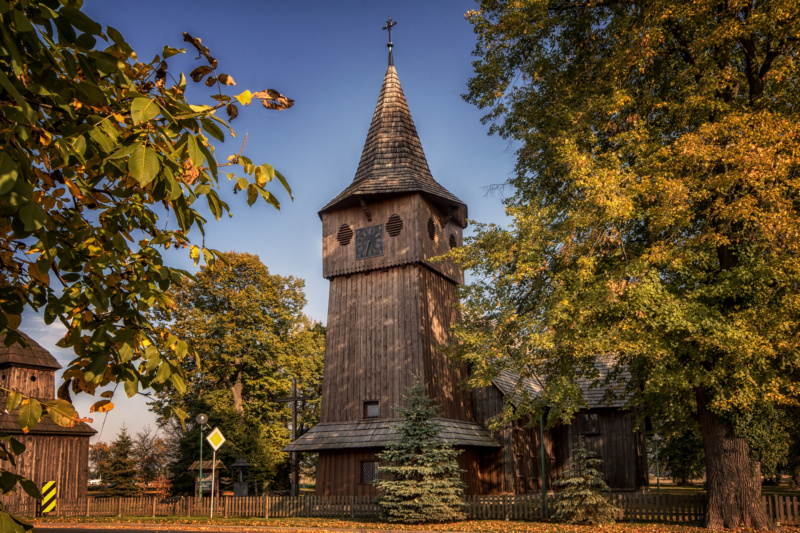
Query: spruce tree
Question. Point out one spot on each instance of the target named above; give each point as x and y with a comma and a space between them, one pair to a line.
422, 480
581, 500
122, 472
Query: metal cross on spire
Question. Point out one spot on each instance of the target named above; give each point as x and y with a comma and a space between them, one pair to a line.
389, 24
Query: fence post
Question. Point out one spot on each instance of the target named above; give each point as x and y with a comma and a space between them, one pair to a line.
88, 499
266, 505
154, 506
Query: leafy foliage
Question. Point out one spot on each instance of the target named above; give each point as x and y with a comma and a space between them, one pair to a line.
95, 146
681, 455
250, 327
581, 499
122, 471
653, 211
99, 460
424, 479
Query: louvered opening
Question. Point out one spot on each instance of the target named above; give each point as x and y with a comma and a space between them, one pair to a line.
453, 241
394, 226
345, 235
431, 228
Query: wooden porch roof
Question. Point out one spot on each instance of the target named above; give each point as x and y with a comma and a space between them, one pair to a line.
381, 433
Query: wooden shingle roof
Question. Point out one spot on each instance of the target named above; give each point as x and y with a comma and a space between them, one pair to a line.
393, 161
514, 387
9, 423
31, 356
381, 433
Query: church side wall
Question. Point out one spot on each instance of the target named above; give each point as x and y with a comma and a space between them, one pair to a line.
60, 458
339, 472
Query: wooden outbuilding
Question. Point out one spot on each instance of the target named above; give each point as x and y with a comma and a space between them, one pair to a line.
52, 452
390, 308
208, 472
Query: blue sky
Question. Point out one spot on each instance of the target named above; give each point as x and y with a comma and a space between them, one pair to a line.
330, 57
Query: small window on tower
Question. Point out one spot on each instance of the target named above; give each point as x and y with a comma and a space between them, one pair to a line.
371, 410
590, 425
369, 472
431, 229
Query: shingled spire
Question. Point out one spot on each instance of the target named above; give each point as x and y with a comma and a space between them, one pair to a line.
393, 160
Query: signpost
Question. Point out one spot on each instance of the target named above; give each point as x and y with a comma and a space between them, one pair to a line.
49, 497
215, 439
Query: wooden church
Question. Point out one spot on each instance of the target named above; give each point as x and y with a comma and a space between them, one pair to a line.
52, 452
389, 309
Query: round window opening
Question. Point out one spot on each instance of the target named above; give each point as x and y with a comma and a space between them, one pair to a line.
33, 378
344, 235
394, 225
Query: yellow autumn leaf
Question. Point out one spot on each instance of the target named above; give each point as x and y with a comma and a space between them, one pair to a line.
102, 406
194, 253
244, 98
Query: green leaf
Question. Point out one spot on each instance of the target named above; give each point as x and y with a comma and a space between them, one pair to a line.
31, 488
123, 151
285, 184
30, 412
178, 383
13, 400
131, 387
194, 151
143, 109
8, 524
143, 164
162, 373
62, 412
169, 51
9, 171
252, 194
125, 353
181, 349
212, 129
32, 215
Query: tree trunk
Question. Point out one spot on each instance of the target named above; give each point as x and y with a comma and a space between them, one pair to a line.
733, 481
236, 391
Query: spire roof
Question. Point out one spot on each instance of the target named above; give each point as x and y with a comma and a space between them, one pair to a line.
393, 160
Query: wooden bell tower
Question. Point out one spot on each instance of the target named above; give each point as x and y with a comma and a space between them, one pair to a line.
390, 307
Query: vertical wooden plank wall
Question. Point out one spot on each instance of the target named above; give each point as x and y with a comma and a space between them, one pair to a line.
60, 458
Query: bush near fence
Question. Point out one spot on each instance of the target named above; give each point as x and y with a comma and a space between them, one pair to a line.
783, 510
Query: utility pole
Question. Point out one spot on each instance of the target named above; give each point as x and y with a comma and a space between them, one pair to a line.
293, 399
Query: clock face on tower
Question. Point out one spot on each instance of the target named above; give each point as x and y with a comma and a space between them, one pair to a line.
369, 241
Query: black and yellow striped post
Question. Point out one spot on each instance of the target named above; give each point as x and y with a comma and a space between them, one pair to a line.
49, 497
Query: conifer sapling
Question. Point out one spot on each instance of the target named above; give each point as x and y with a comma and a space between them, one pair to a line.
421, 479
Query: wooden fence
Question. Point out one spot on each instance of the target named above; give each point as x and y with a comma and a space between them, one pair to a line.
783, 510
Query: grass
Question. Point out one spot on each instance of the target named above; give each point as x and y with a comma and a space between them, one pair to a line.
317, 524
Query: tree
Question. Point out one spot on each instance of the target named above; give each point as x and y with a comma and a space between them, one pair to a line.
581, 499
421, 477
99, 460
96, 144
250, 328
682, 457
122, 472
653, 210
150, 454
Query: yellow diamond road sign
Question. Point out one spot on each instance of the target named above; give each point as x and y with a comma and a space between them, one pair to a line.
216, 439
